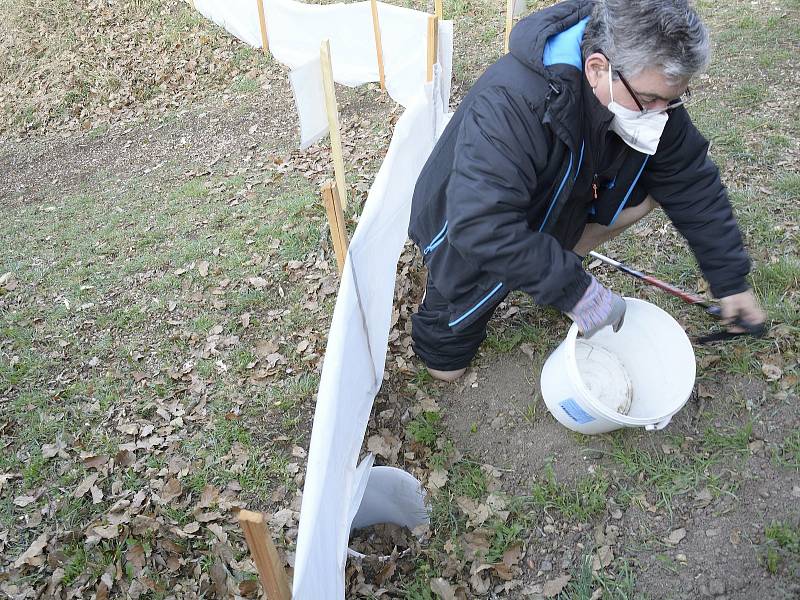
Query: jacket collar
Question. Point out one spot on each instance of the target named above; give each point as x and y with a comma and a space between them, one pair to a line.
549, 43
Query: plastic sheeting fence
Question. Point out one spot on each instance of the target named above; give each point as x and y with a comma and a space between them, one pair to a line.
296, 30
357, 342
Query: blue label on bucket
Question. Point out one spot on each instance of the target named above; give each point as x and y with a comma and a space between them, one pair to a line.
574, 410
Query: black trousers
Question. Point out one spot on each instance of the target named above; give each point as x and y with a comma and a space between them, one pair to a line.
435, 342
442, 349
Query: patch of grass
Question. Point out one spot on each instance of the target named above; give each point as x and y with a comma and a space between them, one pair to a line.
581, 501
244, 85
420, 588
619, 585
748, 95
194, 188
76, 563
468, 479
456, 8
789, 183
776, 281
788, 454
738, 441
504, 536
663, 475
425, 428
782, 545
35, 471
786, 536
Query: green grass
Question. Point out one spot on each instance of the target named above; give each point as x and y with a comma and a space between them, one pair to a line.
666, 476
504, 536
788, 454
425, 428
468, 479
245, 85
419, 587
737, 441
581, 501
619, 585
782, 545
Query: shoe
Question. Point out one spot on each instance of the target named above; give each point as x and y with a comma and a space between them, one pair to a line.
446, 376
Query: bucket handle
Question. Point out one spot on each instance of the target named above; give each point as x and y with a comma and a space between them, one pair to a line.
658, 426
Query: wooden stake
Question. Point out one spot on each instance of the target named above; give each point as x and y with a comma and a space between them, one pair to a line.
437, 8
509, 21
270, 567
433, 34
378, 44
333, 119
333, 208
262, 21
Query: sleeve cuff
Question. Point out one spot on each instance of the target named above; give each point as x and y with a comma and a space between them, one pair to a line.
574, 291
730, 288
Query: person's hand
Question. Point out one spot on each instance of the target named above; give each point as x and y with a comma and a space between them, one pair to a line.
745, 308
597, 308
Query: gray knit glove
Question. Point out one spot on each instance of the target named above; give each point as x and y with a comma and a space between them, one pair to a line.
597, 308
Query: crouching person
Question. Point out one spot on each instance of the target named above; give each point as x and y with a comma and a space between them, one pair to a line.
577, 133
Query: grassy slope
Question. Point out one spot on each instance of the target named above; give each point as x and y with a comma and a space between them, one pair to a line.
90, 340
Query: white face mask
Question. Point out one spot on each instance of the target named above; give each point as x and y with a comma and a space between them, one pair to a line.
641, 131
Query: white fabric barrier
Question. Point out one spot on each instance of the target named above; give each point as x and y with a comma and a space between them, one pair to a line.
357, 341
309, 95
309, 98
239, 17
296, 30
355, 356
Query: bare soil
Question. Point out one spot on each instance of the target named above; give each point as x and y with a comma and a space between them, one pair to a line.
489, 418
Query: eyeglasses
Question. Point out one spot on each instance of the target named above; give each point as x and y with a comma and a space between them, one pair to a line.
685, 97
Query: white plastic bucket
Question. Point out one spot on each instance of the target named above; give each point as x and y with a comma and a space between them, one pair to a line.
638, 377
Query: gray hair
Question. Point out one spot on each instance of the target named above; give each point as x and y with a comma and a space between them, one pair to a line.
640, 34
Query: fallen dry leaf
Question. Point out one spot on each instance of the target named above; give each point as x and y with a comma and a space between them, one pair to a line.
33, 551
258, 282
85, 485
437, 479
171, 490
553, 587
108, 532
442, 588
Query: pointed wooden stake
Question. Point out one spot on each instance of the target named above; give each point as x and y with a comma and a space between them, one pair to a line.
509, 22
333, 208
333, 119
433, 41
437, 8
270, 567
262, 22
378, 44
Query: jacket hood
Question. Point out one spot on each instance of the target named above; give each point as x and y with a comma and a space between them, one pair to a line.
551, 36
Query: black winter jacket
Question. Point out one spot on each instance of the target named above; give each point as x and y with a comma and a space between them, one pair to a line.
495, 206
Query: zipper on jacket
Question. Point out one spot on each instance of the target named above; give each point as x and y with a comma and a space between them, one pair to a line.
580, 162
437, 239
630, 189
558, 191
480, 303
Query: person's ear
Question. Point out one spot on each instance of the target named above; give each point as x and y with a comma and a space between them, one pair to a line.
596, 67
